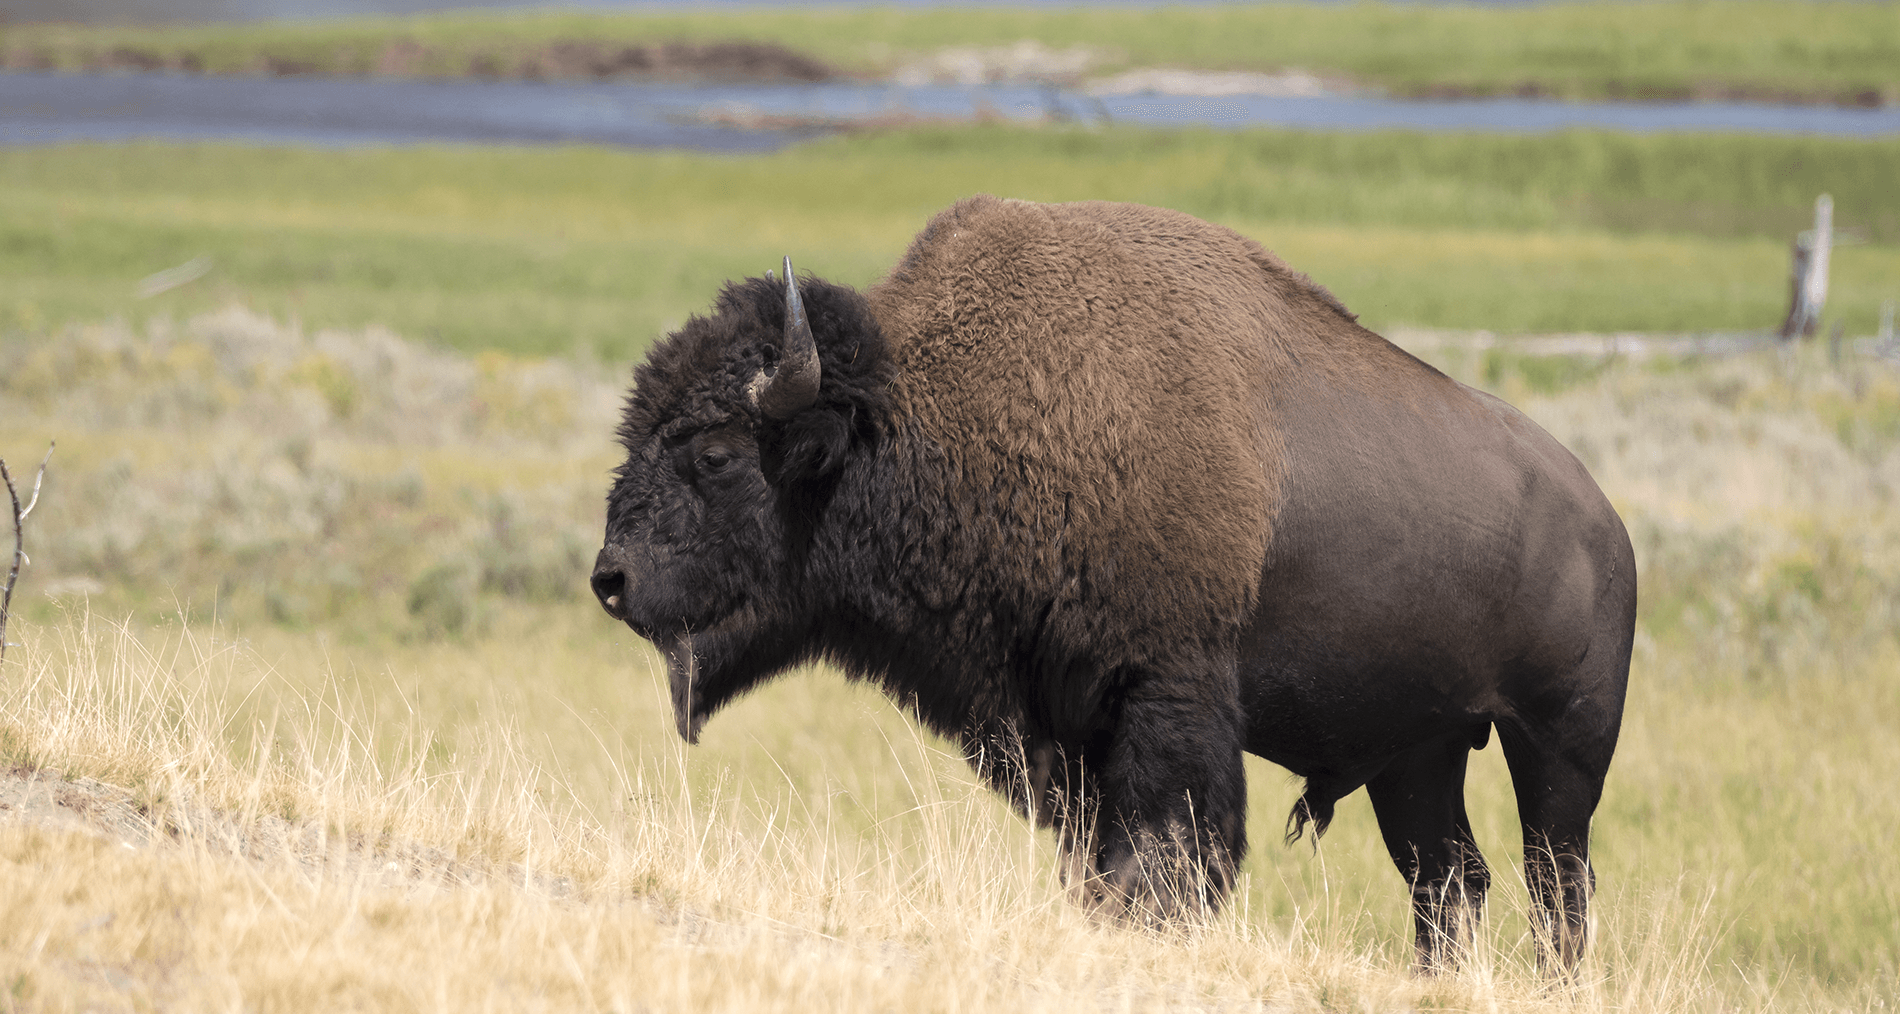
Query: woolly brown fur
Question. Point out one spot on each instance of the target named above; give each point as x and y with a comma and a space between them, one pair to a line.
1111, 366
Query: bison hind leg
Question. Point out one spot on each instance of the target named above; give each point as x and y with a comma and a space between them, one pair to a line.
1420, 801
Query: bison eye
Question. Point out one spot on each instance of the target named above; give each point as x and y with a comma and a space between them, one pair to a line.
714, 460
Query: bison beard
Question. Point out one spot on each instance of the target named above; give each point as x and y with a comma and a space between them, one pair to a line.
1111, 495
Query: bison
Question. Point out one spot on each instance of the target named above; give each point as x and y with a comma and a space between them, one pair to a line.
1110, 495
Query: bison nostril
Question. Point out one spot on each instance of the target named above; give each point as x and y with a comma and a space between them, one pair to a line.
610, 587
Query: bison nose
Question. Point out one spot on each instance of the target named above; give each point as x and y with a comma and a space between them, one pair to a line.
610, 587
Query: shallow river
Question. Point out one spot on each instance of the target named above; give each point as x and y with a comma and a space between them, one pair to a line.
44, 108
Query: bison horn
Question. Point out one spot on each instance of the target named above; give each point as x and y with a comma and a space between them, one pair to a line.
784, 389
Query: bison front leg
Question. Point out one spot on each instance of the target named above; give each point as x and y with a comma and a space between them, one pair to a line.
1171, 797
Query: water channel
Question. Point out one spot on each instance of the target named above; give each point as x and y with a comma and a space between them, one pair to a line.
49, 108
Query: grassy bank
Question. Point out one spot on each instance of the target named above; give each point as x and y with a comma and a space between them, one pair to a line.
1768, 49
379, 549
556, 250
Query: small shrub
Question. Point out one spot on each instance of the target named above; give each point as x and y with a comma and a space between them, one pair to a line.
443, 601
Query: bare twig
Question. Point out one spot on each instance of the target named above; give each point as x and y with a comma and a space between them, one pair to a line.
19, 535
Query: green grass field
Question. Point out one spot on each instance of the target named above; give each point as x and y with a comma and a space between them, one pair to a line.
554, 250
1817, 51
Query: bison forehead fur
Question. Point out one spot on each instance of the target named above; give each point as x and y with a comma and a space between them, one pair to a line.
1112, 495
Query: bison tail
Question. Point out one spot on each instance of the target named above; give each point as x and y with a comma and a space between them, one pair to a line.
1314, 808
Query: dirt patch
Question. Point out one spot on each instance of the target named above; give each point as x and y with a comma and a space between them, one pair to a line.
114, 814
104, 811
571, 59
118, 58
728, 61
1025, 62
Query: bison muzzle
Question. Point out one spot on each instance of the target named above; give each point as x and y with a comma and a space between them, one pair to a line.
1110, 495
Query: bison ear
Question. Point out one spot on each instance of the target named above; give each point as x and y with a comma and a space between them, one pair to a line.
813, 445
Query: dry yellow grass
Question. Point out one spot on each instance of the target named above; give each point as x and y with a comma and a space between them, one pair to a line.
289, 867
555, 847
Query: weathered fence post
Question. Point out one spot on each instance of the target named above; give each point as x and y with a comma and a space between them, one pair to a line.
1808, 275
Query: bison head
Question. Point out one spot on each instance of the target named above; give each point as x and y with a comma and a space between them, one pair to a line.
738, 425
